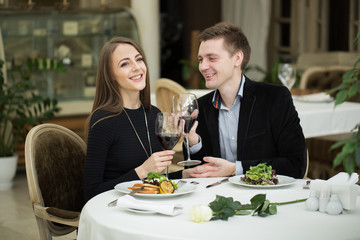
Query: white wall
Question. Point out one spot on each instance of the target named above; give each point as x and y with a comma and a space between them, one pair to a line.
147, 14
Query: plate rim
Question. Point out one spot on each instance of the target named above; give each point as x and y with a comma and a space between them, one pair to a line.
237, 182
130, 183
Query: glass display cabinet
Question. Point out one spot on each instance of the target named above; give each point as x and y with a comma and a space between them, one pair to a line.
73, 38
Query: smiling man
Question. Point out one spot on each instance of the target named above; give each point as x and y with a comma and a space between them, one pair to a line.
242, 123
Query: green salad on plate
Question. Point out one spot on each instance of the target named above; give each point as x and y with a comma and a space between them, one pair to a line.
260, 175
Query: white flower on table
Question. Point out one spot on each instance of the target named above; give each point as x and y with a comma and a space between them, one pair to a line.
200, 213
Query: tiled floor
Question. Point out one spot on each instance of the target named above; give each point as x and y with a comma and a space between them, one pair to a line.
17, 221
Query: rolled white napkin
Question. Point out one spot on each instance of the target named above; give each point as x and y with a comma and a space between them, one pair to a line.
129, 202
342, 185
344, 177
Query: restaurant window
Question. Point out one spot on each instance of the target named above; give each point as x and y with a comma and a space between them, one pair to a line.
316, 20
299, 26
284, 25
338, 31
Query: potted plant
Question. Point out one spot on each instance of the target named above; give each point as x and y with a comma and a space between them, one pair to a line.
20, 109
349, 88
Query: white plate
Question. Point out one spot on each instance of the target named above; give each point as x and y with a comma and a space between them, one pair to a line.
184, 189
283, 181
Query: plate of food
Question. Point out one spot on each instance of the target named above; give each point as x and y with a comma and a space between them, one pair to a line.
262, 176
156, 186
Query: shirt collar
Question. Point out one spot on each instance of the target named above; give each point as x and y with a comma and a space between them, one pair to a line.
217, 98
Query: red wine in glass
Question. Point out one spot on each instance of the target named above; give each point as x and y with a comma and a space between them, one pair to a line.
168, 140
168, 130
189, 122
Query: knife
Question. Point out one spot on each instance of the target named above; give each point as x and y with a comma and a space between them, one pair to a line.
218, 182
113, 203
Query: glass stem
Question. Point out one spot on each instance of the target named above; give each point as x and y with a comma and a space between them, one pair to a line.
187, 148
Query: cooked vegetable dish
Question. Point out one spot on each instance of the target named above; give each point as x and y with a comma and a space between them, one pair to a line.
156, 183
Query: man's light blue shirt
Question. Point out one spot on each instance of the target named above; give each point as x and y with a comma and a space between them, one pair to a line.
228, 128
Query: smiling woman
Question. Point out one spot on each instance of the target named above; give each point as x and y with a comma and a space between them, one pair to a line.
121, 141
129, 70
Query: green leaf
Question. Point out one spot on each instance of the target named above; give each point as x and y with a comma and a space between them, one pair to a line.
52, 64
44, 63
338, 88
36, 64
259, 198
354, 89
349, 147
349, 164
29, 64
348, 76
234, 204
357, 156
265, 206
341, 97
229, 212
337, 144
339, 159
272, 209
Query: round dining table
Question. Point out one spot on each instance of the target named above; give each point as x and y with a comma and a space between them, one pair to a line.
292, 221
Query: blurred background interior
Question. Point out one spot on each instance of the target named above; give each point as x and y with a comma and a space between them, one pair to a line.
316, 33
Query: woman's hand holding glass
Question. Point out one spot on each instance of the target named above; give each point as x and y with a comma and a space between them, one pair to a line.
158, 162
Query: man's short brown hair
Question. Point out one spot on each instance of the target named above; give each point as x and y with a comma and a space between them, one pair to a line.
234, 39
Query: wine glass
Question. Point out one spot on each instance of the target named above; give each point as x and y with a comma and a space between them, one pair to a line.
186, 106
168, 129
287, 74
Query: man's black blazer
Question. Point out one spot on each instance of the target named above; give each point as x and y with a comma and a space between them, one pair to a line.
269, 129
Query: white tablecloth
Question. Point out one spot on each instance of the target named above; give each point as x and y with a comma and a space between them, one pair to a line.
98, 221
320, 119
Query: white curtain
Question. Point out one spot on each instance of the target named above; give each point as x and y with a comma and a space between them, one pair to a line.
253, 17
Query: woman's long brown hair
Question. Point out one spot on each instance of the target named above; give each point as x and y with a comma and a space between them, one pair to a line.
107, 95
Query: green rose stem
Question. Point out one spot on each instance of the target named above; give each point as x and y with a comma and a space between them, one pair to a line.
289, 202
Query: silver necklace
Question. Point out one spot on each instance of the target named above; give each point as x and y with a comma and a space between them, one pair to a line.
147, 130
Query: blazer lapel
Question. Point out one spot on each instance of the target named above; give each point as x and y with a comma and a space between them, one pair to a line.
247, 104
212, 123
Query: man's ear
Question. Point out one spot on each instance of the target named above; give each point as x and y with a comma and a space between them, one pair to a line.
238, 58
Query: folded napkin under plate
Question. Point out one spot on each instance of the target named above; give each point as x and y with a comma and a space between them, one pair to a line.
343, 185
130, 203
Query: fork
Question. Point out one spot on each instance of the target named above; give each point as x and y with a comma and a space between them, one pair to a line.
180, 183
114, 202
